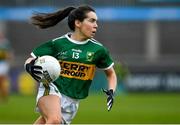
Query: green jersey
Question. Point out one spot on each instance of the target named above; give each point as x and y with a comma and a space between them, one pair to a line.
4, 49
78, 61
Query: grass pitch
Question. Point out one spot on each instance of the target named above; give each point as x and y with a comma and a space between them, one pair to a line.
135, 108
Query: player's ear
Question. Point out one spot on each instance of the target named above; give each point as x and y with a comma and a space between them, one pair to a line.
78, 23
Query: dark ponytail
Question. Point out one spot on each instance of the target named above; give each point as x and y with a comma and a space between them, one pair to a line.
45, 20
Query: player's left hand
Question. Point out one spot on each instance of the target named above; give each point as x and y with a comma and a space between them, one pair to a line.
110, 98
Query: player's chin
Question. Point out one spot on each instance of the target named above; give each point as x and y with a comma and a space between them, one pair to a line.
89, 36
92, 35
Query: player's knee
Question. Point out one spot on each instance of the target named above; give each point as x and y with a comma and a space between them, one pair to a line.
53, 120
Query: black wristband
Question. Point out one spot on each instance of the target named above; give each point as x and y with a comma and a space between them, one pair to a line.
111, 92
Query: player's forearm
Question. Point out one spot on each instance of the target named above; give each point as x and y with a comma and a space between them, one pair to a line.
112, 79
28, 61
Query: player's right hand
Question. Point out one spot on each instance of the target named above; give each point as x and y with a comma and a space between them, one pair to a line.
33, 70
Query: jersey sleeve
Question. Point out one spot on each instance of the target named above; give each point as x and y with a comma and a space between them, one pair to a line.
46, 48
104, 60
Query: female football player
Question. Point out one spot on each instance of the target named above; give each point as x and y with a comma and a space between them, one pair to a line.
5, 56
79, 54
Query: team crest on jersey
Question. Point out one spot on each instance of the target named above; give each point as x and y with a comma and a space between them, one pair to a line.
89, 56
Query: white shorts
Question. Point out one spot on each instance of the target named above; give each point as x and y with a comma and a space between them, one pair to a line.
4, 68
68, 105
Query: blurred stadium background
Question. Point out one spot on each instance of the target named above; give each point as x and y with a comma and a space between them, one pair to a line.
142, 35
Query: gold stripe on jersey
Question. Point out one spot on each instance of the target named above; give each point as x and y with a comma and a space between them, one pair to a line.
77, 70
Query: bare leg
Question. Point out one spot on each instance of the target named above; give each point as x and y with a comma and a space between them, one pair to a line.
4, 89
50, 109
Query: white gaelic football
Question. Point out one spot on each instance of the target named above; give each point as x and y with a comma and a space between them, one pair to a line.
50, 67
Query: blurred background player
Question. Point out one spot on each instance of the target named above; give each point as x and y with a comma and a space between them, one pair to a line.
5, 55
